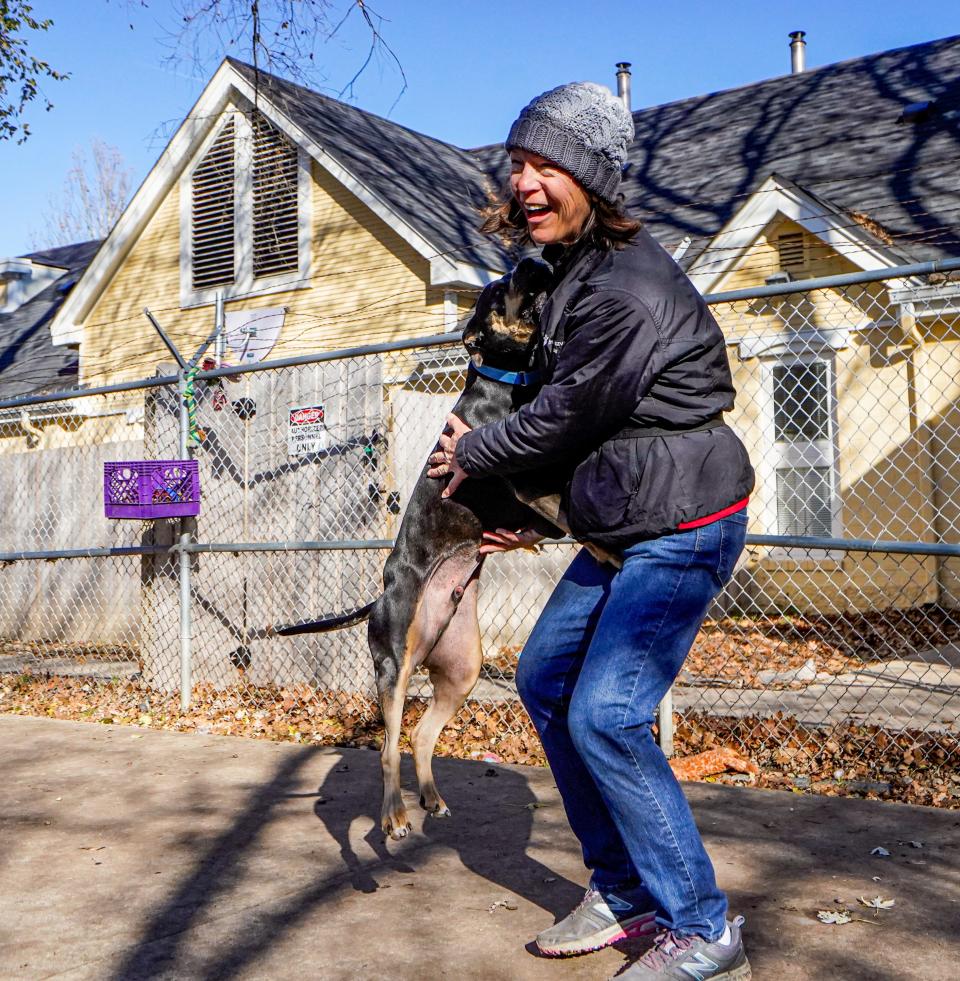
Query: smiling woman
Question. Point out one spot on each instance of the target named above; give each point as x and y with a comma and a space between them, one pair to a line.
515, 217
555, 205
630, 413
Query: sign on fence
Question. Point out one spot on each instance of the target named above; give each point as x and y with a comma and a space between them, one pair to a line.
306, 430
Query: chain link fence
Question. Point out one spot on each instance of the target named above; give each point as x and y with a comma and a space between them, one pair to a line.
831, 659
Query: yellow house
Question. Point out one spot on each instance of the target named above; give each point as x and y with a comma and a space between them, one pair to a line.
342, 229
277, 198
329, 226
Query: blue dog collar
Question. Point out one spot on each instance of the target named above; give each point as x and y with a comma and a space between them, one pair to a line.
522, 378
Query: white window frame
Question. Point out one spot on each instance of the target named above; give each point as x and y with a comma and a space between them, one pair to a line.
244, 284
798, 453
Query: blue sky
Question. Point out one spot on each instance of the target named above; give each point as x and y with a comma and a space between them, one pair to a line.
470, 66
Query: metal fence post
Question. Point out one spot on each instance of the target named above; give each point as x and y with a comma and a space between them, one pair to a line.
185, 570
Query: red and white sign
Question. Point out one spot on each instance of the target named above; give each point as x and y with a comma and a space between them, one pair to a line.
306, 430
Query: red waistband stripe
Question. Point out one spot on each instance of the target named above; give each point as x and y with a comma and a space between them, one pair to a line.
716, 516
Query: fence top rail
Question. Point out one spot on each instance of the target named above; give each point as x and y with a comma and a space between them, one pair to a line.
453, 337
843, 279
799, 542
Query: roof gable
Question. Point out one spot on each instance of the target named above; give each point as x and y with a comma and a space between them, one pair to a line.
836, 131
427, 191
779, 197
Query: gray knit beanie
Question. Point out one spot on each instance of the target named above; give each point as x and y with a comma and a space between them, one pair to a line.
584, 128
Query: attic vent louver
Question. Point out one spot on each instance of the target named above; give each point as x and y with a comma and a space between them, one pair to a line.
212, 213
276, 232
790, 248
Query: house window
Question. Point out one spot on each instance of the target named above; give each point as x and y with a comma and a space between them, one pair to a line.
803, 453
244, 216
212, 213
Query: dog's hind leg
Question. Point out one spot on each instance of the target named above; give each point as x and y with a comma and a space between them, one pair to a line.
393, 814
389, 636
454, 666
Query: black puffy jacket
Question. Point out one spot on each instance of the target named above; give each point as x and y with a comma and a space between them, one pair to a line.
627, 345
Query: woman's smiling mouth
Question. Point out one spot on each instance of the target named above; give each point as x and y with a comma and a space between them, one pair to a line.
536, 212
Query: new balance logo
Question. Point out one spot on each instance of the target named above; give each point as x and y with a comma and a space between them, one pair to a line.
617, 905
703, 967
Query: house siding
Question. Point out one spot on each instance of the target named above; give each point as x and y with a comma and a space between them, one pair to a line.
367, 285
888, 484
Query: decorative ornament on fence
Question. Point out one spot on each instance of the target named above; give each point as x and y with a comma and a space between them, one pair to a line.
196, 435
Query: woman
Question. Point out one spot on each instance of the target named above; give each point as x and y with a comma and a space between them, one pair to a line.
635, 381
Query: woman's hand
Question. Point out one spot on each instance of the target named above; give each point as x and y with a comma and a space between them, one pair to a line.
443, 460
503, 540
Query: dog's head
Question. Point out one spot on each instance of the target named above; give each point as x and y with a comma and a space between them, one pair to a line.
505, 320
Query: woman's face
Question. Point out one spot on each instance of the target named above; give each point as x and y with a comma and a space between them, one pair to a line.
555, 205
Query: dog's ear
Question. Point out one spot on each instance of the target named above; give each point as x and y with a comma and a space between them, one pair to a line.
480, 316
530, 277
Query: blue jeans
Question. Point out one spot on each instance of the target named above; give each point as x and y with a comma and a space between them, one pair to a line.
605, 650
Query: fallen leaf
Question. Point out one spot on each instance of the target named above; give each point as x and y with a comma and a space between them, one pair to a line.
501, 904
836, 916
882, 852
913, 844
878, 902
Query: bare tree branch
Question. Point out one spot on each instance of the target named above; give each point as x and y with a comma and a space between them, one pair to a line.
283, 37
95, 192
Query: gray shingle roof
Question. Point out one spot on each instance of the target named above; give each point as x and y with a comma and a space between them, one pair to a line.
29, 362
835, 131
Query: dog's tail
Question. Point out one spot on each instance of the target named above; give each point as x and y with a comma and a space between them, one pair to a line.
322, 626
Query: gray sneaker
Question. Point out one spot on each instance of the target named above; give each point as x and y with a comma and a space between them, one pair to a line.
602, 918
675, 958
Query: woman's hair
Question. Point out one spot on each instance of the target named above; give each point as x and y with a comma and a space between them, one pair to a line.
608, 227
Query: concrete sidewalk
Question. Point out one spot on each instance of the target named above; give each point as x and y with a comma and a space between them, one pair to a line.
130, 854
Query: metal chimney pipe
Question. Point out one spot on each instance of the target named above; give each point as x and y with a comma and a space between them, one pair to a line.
623, 83
798, 52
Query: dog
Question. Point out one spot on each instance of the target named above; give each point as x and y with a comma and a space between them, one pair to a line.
427, 613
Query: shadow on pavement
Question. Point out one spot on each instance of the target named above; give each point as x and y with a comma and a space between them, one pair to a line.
780, 856
489, 833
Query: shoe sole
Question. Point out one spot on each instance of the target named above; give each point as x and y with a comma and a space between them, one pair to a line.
639, 926
741, 973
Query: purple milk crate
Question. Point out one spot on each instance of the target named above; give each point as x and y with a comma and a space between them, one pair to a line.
144, 489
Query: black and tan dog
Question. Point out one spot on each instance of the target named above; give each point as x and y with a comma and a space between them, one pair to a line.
427, 613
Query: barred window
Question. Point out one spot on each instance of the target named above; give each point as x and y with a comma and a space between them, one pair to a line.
805, 501
212, 213
803, 453
276, 235
801, 401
